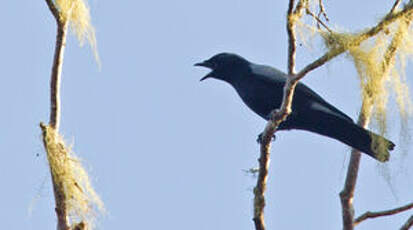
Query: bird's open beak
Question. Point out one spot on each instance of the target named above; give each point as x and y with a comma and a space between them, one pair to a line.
207, 65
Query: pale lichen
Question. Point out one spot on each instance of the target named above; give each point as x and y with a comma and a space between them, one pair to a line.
81, 202
380, 61
76, 12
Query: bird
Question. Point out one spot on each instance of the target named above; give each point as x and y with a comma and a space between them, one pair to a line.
261, 89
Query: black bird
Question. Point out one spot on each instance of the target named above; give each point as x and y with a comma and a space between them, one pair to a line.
261, 89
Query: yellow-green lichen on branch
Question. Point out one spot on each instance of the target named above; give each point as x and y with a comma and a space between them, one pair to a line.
76, 12
71, 182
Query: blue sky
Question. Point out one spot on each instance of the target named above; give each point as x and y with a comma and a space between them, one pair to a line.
164, 150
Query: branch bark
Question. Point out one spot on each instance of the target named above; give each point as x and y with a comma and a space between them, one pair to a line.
347, 194
369, 215
54, 120
291, 38
56, 75
408, 224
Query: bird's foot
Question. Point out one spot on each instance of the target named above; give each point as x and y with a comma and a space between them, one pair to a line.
259, 138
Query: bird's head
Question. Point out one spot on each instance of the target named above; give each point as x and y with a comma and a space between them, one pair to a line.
225, 66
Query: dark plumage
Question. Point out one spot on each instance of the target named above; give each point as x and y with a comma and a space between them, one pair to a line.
261, 89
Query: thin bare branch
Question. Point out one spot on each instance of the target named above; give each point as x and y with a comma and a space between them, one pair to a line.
319, 21
395, 6
369, 215
408, 224
290, 7
276, 119
347, 194
293, 15
259, 190
291, 38
56, 75
54, 10
321, 10
62, 27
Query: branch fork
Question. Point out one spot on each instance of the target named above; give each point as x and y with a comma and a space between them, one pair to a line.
279, 115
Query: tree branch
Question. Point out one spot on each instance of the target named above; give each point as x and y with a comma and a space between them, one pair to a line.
291, 38
292, 17
395, 6
54, 121
56, 75
279, 115
387, 20
321, 10
346, 195
368, 215
408, 224
54, 10
60, 201
319, 21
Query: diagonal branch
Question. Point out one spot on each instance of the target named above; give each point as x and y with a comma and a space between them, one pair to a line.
394, 211
318, 20
395, 6
387, 20
408, 224
54, 10
322, 11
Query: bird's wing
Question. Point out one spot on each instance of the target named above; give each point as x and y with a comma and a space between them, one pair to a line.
272, 75
268, 73
318, 103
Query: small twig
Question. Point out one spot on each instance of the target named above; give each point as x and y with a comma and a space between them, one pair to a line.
319, 21
408, 224
395, 6
322, 11
56, 75
369, 215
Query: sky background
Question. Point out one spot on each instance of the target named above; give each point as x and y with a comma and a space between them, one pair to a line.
165, 151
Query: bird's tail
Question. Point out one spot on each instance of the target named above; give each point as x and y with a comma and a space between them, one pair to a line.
351, 134
367, 142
